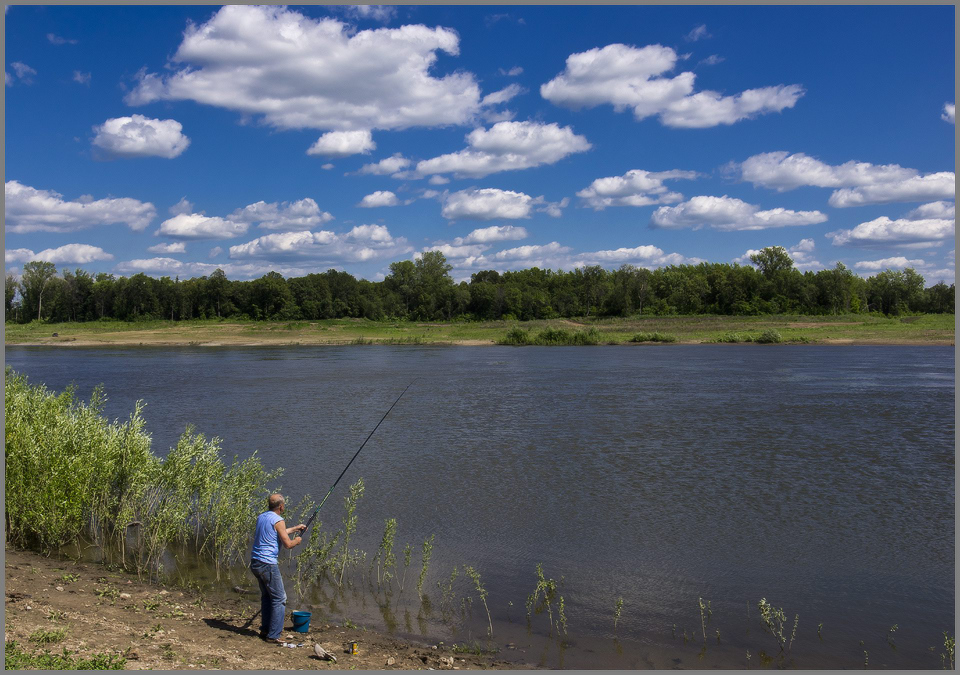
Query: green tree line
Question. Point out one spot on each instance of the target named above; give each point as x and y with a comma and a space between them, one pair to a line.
423, 290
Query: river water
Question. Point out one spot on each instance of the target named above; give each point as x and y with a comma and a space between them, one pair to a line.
821, 478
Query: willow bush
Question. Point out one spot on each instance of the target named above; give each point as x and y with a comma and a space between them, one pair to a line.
71, 474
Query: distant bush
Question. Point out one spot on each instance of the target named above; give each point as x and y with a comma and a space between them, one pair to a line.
551, 337
734, 337
653, 337
769, 336
516, 336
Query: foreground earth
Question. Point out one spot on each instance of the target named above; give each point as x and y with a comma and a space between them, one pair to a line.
52, 605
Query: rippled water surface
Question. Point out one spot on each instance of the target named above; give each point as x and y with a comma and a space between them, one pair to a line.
820, 478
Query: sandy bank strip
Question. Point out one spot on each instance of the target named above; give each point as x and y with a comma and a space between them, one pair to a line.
454, 343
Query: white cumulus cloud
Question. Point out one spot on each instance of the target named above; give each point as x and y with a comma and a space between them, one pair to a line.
81, 77
386, 167
897, 262
643, 256
729, 214
183, 206
635, 188
79, 254
487, 204
940, 209
861, 183
362, 243
487, 235
199, 226
507, 146
625, 76
23, 71
304, 73
381, 13
139, 136
343, 144
949, 113
940, 185
57, 40
502, 96
178, 247
379, 198
27, 209
902, 232
290, 216
698, 33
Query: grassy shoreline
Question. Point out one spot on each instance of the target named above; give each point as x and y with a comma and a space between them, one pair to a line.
930, 329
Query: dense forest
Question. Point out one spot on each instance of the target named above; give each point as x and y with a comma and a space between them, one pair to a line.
423, 290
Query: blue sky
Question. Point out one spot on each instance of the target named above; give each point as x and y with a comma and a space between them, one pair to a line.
175, 140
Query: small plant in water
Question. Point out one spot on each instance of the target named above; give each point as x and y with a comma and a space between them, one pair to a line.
773, 619
349, 525
385, 552
949, 644
475, 577
546, 593
426, 553
616, 612
703, 619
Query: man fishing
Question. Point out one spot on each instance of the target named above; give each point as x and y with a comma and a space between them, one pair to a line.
271, 531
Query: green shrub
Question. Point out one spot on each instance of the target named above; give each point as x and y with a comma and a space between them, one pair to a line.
553, 336
734, 338
653, 337
769, 336
516, 336
72, 474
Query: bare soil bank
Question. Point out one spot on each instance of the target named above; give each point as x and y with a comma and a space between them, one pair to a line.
154, 627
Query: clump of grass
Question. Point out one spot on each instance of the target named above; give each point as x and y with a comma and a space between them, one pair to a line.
653, 337
473, 648
616, 612
769, 336
46, 637
17, 658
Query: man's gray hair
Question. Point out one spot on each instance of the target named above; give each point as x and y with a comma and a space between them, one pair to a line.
274, 501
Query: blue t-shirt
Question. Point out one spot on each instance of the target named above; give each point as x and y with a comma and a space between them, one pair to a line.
266, 539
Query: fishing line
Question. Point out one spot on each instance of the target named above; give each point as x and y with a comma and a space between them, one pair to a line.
317, 510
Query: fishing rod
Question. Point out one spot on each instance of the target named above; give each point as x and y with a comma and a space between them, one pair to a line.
317, 510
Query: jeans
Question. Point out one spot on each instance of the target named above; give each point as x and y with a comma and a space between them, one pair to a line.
273, 599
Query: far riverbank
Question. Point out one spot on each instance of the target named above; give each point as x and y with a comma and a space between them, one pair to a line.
857, 329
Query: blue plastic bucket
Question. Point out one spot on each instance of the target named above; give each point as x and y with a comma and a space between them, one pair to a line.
301, 621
